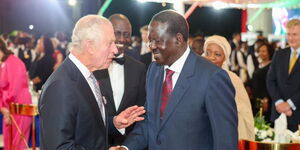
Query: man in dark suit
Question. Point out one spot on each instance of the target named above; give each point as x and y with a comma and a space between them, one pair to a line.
190, 102
124, 81
235, 44
283, 80
72, 108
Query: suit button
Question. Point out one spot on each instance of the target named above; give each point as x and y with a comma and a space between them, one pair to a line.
158, 142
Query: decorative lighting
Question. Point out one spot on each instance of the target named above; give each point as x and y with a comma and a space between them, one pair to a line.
30, 27
176, 6
179, 6
72, 2
141, 1
163, 4
104, 7
219, 5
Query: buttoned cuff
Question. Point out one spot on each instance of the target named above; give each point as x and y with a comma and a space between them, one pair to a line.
278, 102
290, 102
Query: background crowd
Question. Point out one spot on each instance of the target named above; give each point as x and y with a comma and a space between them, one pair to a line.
34, 59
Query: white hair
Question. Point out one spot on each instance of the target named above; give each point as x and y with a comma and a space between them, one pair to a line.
87, 28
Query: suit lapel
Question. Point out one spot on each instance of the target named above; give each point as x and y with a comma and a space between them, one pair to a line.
286, 62
157, 93
182, 85
106, 89
297, 65
127, 79
86, 91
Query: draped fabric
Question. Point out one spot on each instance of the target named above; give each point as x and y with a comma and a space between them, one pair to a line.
14, 88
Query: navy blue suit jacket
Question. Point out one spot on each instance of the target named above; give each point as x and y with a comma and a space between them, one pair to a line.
201, 111
282, 85
69, 114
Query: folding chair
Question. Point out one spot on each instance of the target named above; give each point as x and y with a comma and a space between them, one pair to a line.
26, 110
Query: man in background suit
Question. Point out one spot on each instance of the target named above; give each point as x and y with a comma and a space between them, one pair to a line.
72, 109
190, 102
235, 46
124, 84
283, 80
145, 52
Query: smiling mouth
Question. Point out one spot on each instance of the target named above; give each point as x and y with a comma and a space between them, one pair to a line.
120, 45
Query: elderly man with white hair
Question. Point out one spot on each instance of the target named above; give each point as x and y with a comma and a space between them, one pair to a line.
72, 109
217, 50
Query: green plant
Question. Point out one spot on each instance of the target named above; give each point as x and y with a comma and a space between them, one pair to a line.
263, 131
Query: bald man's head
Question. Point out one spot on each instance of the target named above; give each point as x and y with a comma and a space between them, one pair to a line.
123, 30
175, 21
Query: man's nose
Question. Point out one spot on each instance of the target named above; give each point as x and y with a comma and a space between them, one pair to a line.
210, 57
121, 38
152, 45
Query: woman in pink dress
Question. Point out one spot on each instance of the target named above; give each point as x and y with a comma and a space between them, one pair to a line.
13, 88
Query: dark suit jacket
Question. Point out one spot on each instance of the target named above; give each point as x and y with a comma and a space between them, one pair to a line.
146, 59
282, 85
26, 60
201, 111
134, 92
259, 90
69, 114
134, 52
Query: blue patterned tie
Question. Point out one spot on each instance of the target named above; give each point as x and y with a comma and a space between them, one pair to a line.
98, 96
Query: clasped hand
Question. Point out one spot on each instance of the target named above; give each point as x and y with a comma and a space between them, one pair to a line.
285, 108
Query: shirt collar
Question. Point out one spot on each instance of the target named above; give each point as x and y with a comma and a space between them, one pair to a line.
82, 68
297, 50
178, 64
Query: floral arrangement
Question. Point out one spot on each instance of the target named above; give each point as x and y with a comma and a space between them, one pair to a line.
263, 131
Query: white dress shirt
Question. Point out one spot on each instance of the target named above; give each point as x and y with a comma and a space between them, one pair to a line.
116, 76
86, 73
177, 67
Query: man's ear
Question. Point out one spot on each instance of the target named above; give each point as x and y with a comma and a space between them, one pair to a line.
179, 39
89, 46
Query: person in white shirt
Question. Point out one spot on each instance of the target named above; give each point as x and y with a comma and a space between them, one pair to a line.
123, 84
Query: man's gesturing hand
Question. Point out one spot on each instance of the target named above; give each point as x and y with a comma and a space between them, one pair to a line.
129, 116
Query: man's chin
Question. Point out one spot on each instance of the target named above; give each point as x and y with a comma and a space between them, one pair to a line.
105, 66
159, 61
